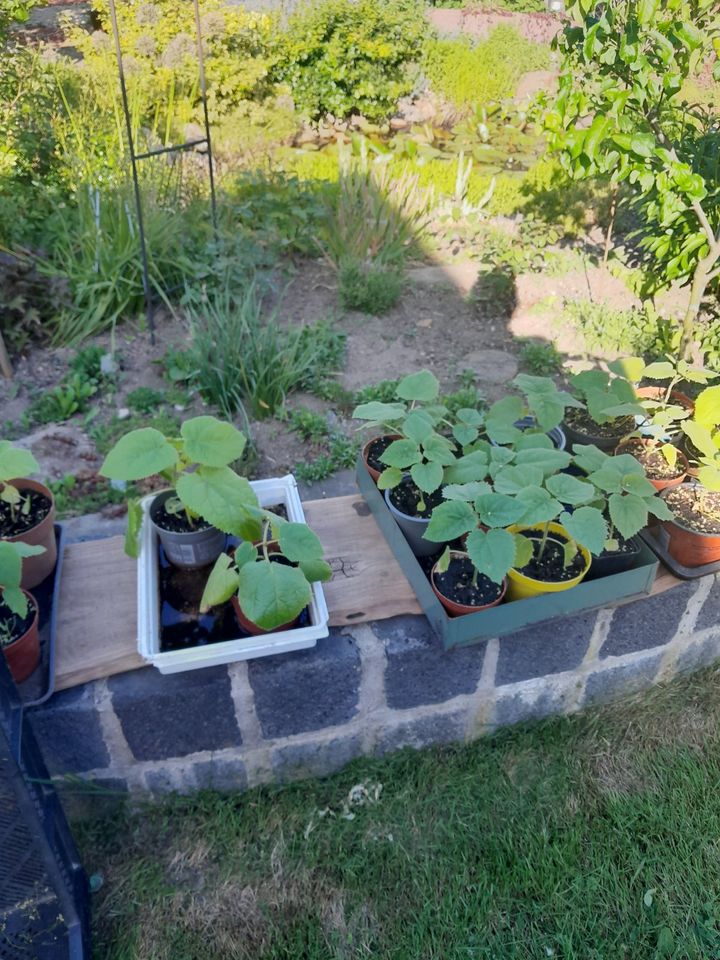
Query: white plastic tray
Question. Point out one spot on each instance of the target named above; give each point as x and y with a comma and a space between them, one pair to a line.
269, 492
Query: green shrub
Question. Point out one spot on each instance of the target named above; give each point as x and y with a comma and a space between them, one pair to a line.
145, 399
370, 288
516, 6
29, 299
351, 56
470, 74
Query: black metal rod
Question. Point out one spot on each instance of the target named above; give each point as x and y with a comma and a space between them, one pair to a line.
176, 148
203, 95
149, 311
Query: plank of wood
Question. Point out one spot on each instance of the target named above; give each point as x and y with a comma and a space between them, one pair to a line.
367, 583
97, 616
97, 620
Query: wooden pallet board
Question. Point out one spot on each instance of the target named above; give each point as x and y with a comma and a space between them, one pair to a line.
97, 619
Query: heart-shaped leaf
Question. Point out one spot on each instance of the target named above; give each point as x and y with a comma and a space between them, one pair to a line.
212, 442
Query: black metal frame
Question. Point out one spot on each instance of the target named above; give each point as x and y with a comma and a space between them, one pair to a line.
39, 862
177, 148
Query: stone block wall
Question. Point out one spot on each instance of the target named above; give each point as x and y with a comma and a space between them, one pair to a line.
366, 690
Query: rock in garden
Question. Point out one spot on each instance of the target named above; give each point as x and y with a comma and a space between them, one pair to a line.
60, 449
492, 366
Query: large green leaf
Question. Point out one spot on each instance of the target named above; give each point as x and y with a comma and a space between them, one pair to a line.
427, 476
401, 454
492, 553
569, 489
221, 584
378, 412
589, 457
212, 442
513, 479
417, 426
15, 463
139, 454
272, 594
422, 387
549, 461
133, 527
466, 491
631, 368
470, 468
709, 477
15, 600
539, 506
501, 419
10, 564
298, 542
498, 509
218, 495
390, 478
450, 520
439, 449
707, 408
316, 570
586, 526
638, 484
628, 513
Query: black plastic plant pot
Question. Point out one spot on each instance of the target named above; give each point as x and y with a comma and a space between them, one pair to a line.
602, 442
617, 561
412, 527
190, 549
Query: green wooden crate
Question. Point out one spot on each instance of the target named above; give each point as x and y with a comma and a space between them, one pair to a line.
508, 617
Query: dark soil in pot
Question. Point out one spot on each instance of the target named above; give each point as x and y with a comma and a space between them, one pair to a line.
174, 522
457, 584
695, 508
181, 624
580, 427
406, 497
653, 460
615, 561
550, 568
40, 507
376, 448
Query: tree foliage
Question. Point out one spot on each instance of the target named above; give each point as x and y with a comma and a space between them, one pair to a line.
621, 113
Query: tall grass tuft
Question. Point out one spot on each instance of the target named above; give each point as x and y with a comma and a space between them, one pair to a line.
246, 362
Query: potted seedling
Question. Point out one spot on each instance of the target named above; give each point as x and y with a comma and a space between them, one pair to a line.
27, 513
269, 581
510, 519
413, 392
694, 531
611, 407
413, 464
541, 409
206, 499
627, 499
19, 614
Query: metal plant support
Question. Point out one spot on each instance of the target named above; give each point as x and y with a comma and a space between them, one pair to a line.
177, 148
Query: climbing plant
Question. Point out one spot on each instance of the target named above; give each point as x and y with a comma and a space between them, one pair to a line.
621, 112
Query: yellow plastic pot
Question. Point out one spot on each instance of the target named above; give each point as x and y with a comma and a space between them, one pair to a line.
521, 587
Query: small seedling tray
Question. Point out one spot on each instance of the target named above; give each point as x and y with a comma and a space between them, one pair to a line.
40, 685
281, 490
507, 617
658, 539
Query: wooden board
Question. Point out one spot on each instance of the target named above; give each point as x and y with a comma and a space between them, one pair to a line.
97, 620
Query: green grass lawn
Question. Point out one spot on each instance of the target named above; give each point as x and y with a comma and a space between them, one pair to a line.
591, 837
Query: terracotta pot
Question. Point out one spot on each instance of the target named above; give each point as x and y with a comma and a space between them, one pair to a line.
252, 628
658, 484
23, 654
461, 609
657, 393
375, 474
35, 569
690, 547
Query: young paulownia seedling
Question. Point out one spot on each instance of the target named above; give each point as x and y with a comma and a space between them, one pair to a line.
15, 463
272, 576
11, 558
196, 466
